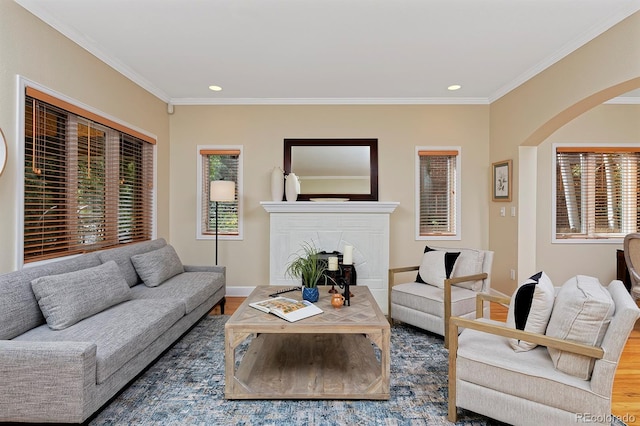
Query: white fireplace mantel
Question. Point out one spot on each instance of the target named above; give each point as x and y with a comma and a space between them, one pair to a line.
330, 206
329, 226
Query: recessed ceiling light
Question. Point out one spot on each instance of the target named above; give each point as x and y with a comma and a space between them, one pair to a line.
215, 88
454, 87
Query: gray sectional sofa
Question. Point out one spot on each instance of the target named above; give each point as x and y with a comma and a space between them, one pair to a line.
75, 332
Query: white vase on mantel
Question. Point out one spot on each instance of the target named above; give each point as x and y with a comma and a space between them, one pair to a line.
277, 184
292, 187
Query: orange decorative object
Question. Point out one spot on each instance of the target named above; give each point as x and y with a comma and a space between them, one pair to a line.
337, 300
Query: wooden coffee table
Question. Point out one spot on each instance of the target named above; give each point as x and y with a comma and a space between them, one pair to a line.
326, 356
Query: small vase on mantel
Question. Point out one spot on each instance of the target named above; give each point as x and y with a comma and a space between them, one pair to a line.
277, 184
292, 187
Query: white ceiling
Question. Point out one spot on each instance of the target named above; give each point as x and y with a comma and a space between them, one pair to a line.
331, 51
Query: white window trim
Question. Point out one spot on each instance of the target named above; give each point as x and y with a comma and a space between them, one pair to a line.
22, 84
576, 240
458, 198
199, 234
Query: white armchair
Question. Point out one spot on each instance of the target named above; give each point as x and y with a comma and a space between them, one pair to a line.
632, 259
488, 377
447, 283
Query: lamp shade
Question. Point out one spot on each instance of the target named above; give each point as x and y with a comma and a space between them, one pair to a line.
222, 190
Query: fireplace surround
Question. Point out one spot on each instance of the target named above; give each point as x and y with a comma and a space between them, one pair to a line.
329, 226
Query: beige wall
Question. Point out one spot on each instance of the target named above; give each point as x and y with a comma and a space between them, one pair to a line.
34, 50
604, 68
262, 129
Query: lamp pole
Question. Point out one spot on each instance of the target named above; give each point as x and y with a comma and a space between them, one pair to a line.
216, 233
221, 190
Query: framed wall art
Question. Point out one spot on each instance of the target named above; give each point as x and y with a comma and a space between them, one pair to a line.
501, 181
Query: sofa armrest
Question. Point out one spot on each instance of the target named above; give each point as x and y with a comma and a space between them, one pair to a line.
194, 268
44, 380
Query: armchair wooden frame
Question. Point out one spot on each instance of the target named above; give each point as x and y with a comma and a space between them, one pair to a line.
447, 293
456, 322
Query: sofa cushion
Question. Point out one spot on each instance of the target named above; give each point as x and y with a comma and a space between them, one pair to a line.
120, 332
581, 313
530, 308
157, 266
122, 256
190, 288
19, 310
436, 266
68, 298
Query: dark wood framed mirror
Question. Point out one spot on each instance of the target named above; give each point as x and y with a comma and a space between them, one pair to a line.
338, 169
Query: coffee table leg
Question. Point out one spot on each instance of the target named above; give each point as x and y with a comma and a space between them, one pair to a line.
385, 359
382, 339
231, 341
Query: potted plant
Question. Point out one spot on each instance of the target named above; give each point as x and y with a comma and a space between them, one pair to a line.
310, 268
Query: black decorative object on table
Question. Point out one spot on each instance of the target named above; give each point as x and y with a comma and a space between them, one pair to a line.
324, 256
344, 281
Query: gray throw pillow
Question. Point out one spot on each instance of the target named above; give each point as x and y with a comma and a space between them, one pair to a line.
66, 299
155, 267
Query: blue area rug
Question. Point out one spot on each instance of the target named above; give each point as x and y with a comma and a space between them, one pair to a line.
186, 387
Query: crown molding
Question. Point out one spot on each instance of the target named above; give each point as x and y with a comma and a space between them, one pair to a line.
90, 46
329, 101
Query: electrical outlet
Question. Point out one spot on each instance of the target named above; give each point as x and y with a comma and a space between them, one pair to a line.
513, 274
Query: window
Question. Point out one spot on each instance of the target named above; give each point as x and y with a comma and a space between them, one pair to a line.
438, 193
219, 163
87, 186
596, 192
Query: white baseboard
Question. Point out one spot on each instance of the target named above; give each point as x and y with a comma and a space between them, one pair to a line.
498, 293
239, 291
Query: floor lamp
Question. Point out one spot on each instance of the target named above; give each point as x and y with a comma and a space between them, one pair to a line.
221, 190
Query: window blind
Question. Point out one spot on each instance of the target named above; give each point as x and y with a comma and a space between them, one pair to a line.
437, 192
87, 186
219, 165
597, 192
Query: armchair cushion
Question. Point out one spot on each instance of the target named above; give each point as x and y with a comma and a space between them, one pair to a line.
530, 308
436, 266
581, 313
489, 362
458, 263
469, 263
430, 299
